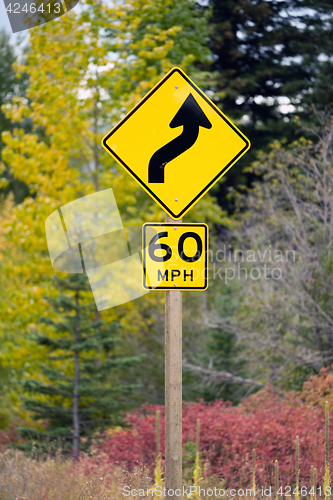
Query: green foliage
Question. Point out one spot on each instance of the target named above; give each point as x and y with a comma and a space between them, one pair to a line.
189, 454
85, 72
225, 350
8, 79
213, 345
82, 79
81, 358
272, 61
285, 223
10, 86
253, 43
150, 38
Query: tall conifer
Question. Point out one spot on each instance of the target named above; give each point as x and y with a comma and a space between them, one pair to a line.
272, 61
81, 391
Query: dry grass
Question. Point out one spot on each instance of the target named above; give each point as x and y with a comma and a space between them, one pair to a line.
58, 478
48, 478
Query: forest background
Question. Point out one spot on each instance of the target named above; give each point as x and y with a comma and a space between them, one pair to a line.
268, 65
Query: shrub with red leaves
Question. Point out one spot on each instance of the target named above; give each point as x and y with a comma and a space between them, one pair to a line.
267, 422
8, 437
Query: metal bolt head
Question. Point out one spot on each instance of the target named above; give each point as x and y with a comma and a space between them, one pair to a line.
176, 87
175, 284
176, 199
175, 228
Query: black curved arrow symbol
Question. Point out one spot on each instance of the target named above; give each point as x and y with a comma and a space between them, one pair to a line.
191, 116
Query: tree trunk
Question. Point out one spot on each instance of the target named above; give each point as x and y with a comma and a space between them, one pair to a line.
76, 420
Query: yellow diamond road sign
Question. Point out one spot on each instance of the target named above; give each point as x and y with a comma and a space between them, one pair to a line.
175, 256
176, 143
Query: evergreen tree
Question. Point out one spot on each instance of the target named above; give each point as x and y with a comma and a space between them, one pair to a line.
81, 390
269, 53
8, 79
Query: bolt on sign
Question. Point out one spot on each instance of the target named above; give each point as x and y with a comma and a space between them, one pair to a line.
176, 143
175, 256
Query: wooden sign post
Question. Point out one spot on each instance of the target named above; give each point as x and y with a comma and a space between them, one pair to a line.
173, 391
176, 168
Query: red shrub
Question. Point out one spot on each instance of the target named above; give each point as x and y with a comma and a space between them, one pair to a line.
8, 437
267, 422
